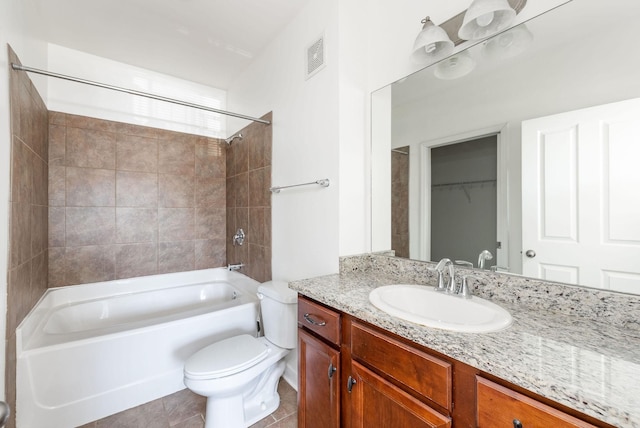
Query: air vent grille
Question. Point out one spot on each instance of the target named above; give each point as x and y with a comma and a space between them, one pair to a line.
315, 57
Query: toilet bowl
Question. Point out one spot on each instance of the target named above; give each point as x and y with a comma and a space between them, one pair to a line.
239, 375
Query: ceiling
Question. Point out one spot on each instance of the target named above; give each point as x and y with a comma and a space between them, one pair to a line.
205, 41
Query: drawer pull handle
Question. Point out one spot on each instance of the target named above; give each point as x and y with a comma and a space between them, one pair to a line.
332, 370
350, 382
517, 424
314, 322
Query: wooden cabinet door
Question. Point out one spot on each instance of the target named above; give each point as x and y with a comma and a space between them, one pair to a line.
319, 383
378, 403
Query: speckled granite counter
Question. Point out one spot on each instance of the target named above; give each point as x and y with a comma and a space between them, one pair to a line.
585, 364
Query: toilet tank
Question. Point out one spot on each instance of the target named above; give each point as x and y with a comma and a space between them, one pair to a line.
279, 306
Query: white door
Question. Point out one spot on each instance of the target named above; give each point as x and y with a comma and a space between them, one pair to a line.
581, 197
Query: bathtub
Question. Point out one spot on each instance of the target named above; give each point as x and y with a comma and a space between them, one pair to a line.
88, 351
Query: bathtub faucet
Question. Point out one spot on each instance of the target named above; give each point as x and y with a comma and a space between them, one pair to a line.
232, 267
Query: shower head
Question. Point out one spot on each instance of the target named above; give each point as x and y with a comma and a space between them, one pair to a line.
233, 137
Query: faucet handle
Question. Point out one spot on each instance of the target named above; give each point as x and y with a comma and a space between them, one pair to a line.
465, 292
464, 263
440, 286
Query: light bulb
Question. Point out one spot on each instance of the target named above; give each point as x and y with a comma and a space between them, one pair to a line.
486, 19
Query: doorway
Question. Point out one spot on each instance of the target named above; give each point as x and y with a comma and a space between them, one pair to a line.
463, 207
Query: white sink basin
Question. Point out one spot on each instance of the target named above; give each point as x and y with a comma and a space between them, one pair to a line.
423, 305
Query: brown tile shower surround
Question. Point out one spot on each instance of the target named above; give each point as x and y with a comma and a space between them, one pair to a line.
95, 200
27, 276
249, 199
127, 201
400, 202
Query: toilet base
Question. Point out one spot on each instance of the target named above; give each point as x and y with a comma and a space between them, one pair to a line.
243, 410
229, 413
225, 412
254, 415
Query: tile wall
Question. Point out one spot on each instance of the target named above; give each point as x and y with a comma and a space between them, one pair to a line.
249, 199
127, 201
27, 277
400, 202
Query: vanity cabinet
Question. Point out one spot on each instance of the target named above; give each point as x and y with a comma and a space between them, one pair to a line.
391, 384
319, 366
355, 375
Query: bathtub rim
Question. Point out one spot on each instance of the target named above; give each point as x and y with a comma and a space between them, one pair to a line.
74, 294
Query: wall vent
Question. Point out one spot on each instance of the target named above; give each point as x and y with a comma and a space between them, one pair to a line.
316, 54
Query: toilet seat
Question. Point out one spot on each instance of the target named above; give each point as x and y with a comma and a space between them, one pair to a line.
226, 357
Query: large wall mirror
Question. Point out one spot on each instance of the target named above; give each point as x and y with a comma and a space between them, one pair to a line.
521, 153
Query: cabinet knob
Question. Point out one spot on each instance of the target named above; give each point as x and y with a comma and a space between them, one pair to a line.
350, 382
517, 424
310, 320
332, 370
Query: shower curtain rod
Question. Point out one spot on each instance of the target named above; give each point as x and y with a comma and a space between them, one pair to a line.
138, 93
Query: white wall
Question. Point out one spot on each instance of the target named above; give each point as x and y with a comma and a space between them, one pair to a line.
381, 164
354, 149
14, 30
81, 99
305, 140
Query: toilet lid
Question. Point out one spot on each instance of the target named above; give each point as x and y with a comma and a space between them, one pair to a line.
225, 357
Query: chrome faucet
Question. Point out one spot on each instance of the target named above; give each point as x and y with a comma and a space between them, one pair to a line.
238, 238
451, 284
484, 256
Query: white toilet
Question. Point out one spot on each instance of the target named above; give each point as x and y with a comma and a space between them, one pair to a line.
239, 376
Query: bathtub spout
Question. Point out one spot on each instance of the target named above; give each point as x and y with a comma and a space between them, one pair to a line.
236, 267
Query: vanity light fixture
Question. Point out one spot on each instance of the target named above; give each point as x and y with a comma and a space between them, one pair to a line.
485, 18
432, 43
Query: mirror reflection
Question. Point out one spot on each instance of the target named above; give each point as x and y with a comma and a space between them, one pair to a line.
525, 161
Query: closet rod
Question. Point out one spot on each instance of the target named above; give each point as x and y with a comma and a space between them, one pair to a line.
133, 92
464, 183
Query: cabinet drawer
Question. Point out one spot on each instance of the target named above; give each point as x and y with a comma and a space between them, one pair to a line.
423, 373
499, 406
319, 319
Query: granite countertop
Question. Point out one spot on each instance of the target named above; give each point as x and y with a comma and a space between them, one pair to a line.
586, 365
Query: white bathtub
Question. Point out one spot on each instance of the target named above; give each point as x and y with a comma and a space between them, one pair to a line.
87, 351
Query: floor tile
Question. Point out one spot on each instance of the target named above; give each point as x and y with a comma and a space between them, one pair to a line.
185, 409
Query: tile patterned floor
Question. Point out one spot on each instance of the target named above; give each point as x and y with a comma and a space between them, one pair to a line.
184, 409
